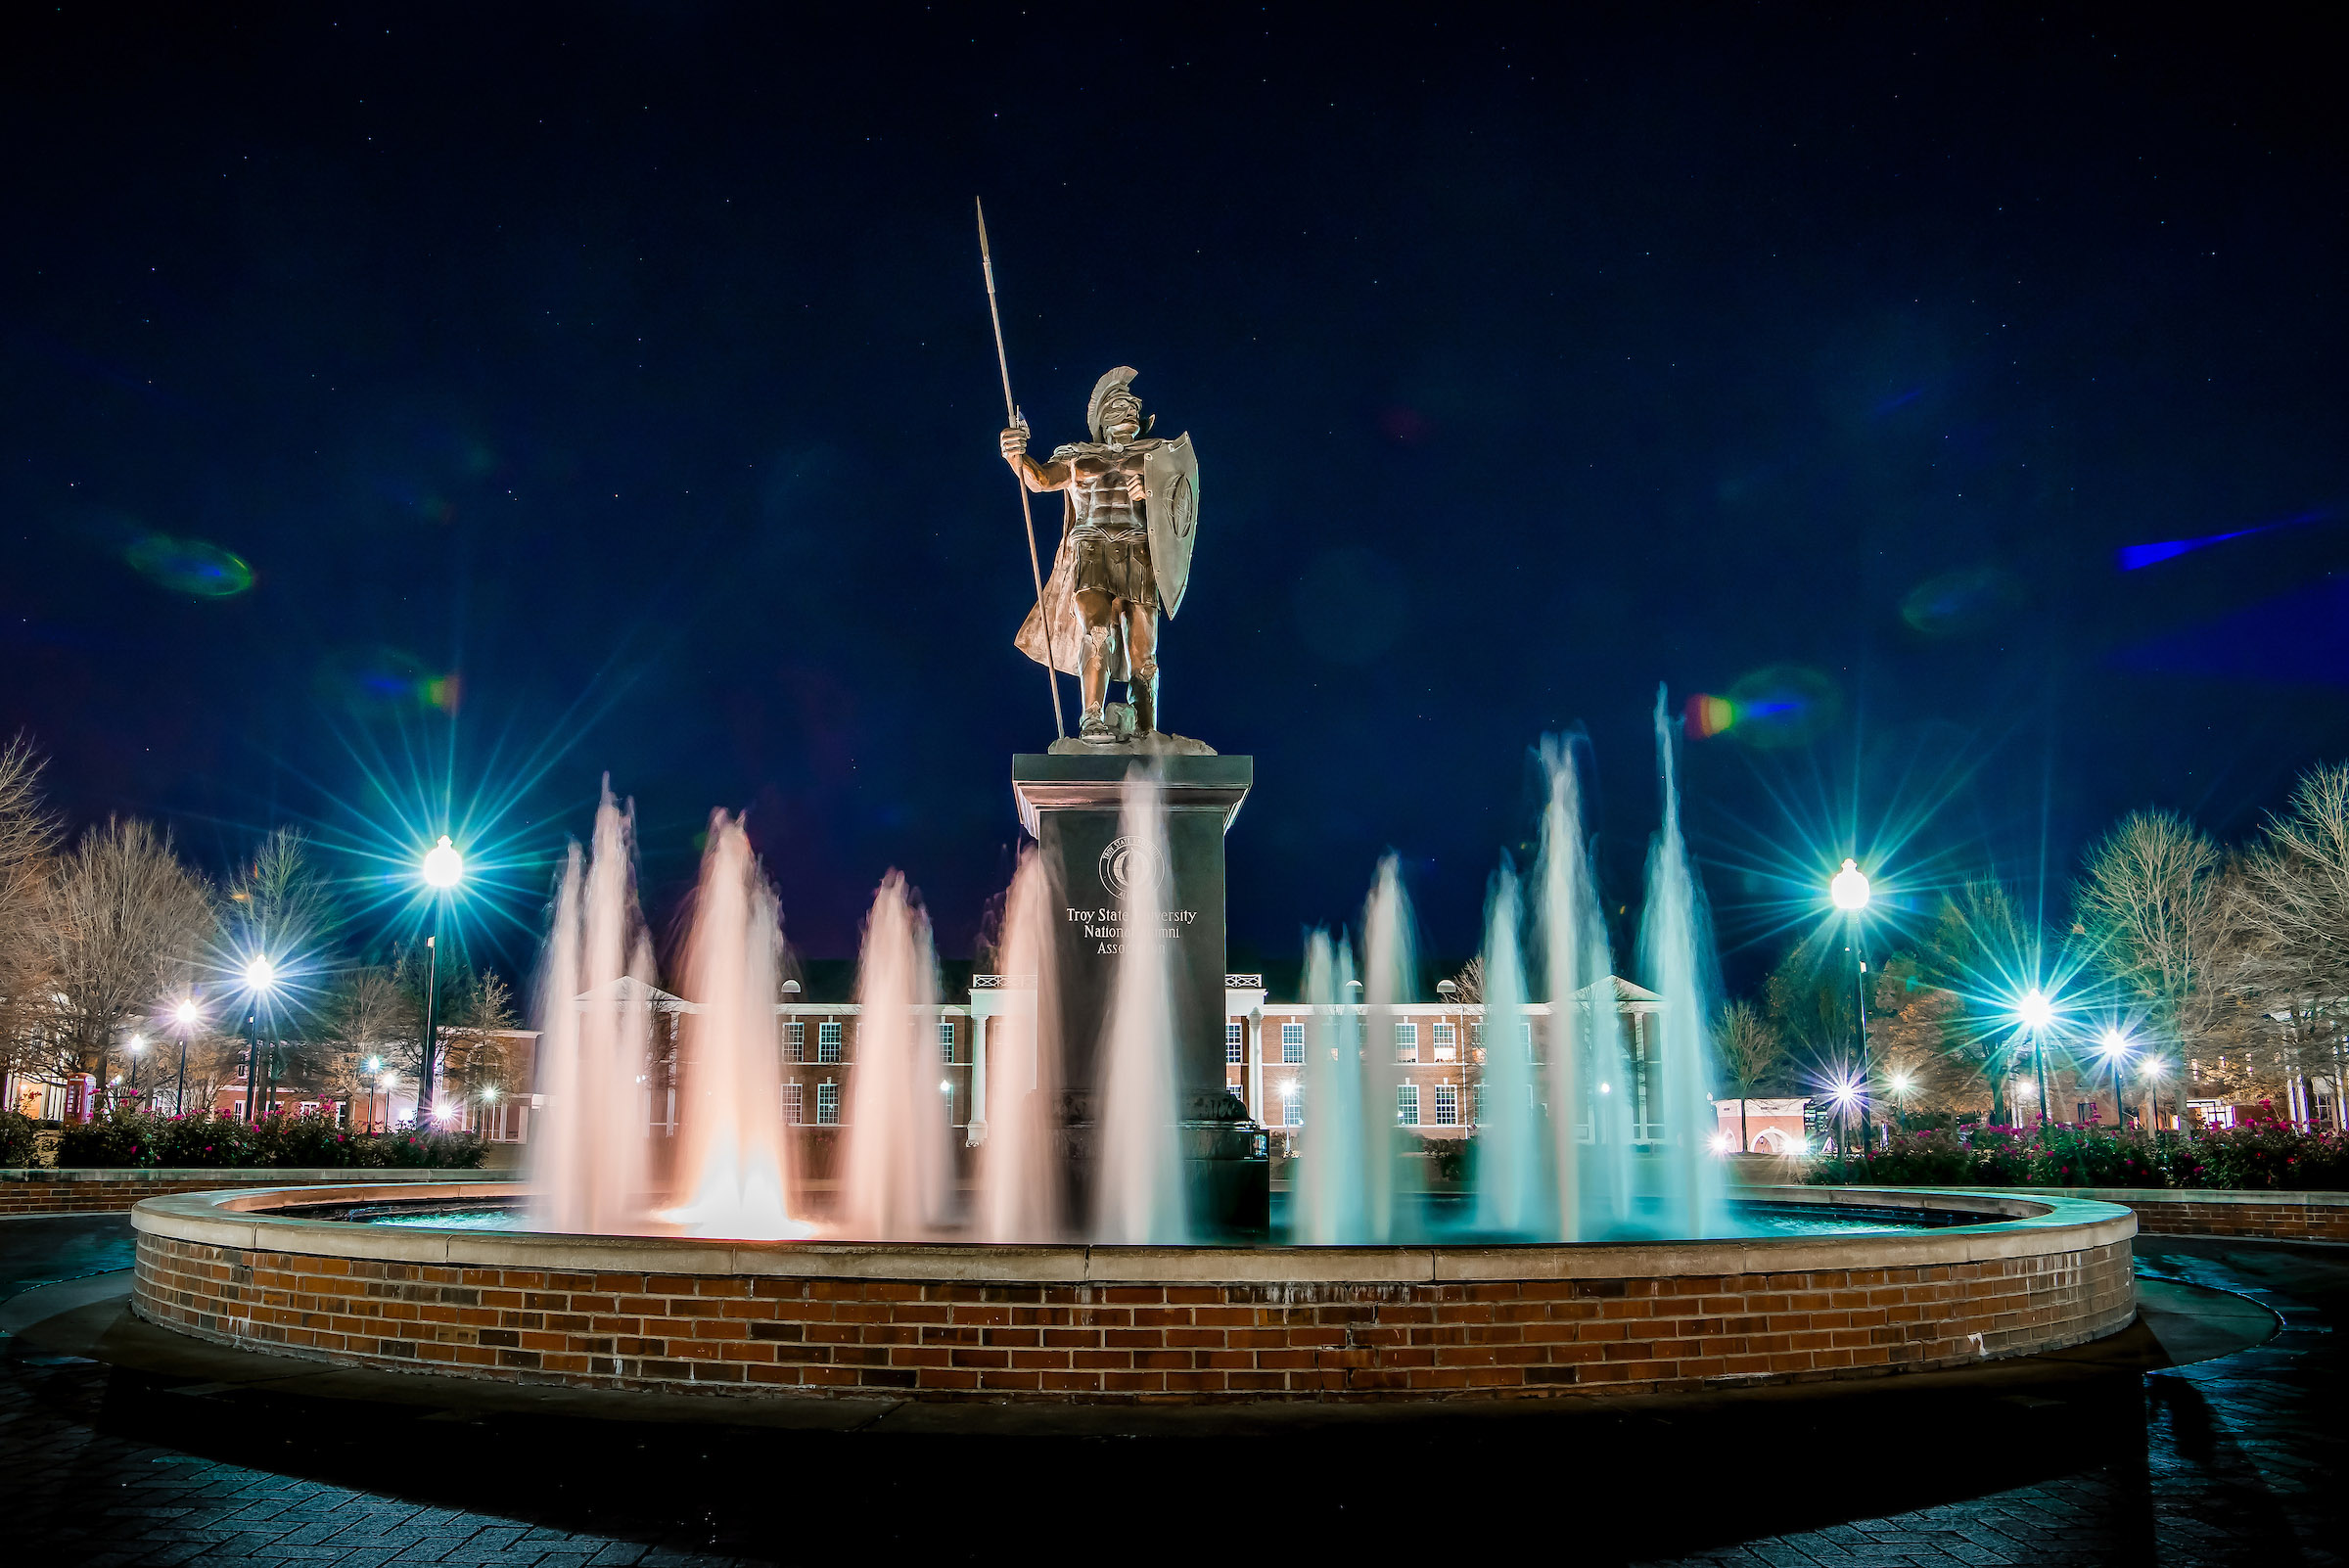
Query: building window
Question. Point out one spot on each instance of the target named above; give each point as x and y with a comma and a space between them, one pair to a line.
795, 1103
946, 1039
1480, 1099
827, 1102
1292, 1043
1447, 1105
1442, 1034
1406, 1104
1235, 1041
1525, 1036
1476, 1033
827, 1043
1406, 1043
794, 1042
1292, 1105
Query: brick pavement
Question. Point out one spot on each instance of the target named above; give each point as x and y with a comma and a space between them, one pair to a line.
2236, 1460
2242, 1463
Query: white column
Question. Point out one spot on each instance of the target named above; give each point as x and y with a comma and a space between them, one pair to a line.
976, 1133
1253, 1061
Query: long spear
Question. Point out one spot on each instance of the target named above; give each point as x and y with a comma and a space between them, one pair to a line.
1011, 412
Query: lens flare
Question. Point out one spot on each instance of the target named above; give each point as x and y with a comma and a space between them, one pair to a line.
1707, 716
385, 680
188, 566
1959, 602
1779, 705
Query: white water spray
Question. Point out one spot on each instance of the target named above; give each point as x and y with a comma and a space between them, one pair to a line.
896, 1179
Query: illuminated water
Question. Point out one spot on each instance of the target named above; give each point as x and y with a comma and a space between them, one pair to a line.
1442, 1218
1587, 1128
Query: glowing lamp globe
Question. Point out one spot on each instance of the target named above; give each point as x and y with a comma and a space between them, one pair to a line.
259, 973
2035, 1010
1849, 888
185, 1013
2114, 1042
443, 864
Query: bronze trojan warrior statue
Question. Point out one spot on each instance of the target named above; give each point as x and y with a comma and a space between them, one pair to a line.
1130, 511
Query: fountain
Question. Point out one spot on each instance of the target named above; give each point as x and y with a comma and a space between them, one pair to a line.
1108, 1230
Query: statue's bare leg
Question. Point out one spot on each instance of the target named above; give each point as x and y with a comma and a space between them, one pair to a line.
1141, 654
1099, 611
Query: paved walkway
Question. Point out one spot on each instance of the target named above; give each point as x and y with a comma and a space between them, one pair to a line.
2236, 1460
2233, 1460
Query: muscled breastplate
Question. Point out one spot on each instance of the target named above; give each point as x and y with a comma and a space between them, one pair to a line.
1097, 486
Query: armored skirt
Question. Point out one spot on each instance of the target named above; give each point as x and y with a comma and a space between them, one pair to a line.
1117, 565
1087, 562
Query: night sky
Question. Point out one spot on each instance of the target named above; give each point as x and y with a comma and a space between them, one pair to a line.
610, 388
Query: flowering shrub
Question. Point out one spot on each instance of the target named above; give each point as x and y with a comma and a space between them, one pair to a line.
2256, 1156
20, 1139
219, 1142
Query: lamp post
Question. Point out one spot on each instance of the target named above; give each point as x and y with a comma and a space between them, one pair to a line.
184, 1015
444, 866
138, 1054
1849, 888
2036, 1013
2154, 1077
2115, 1046
261, 977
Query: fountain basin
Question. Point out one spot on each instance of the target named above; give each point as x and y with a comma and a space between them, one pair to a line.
950, 1321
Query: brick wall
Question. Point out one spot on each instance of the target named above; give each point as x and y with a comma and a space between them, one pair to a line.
25, 1192
2251, 1216
846, 1319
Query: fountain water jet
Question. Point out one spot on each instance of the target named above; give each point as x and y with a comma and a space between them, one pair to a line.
587, 1159
1390, 976
1512, 1196
1330, 1188
734, 1162
1674, 944
1138, 1189
1020, 1180
896, 1180
1588, 1084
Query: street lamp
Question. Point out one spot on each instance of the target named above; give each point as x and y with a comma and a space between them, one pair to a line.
260, 978
138, 1054
1844, 1092
2115, 1046
2155, 1072
1848, 889
2035, 1013
184, 1015
443, 867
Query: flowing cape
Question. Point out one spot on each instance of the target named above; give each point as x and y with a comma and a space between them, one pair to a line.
1059, 610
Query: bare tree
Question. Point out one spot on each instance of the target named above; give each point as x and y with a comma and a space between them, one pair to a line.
474, 1038
2155, 911
1750, 1049
2293, 903
120, 922
278, 909
29, 836
371, 1015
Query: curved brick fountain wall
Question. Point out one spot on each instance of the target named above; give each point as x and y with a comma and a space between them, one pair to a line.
947, 1320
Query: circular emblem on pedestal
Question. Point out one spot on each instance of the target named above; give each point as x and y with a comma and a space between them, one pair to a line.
1132, 865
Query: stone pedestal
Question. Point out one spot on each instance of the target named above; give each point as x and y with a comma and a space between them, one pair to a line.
1071, 804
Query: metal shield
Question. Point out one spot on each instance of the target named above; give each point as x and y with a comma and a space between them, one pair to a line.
1171, 481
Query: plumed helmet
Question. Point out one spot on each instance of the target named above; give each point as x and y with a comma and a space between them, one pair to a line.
1117, 381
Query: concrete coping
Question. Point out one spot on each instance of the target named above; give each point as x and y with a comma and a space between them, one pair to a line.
2015, 1227
229, 1174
